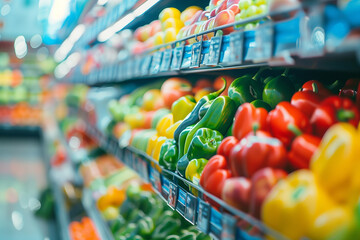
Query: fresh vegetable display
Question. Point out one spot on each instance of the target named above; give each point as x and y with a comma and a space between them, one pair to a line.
264, 149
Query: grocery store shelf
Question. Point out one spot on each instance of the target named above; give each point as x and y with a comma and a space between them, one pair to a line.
118, 17
303, 41
60, 211
19, 130
172, 189
92, 211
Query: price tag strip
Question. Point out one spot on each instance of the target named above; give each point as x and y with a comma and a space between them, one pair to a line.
154, 178
172, 199
191, 208
236, 47
165, 188
203, 218
177, 58
216, 223
166, 60
264, 38
156, 61
196, 55
229, 227
181, 201
145, 65
215, 50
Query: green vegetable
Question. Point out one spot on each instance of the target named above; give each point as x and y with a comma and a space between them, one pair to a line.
172, 237
181, 141
166, 228
182, 165
146, 226
261, 104
159, 114
204, 144
130, 229
188, 236
230, 130
278, 89
244, 89
169, 155
219, 117
204, 108
193, 116
136, 96
141, 139
117, 224
203, 236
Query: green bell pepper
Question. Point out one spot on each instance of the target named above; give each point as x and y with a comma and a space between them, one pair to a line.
204, 144
219, 117
261, 104
159, 114
136, 237
182, 165
129, 230
169, 155
166, 228
181, 141
193, 116
172, 237
230, 130
204, 108
188, 236
146, 227
278, 89
245, 89
117, 224
141, 139
203, 236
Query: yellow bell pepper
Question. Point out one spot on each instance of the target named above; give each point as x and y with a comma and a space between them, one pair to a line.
135, 120
156, 151
336, 163
294, 204
113, 197
151, 144
337, 223
182, 107
164, 124
171, 130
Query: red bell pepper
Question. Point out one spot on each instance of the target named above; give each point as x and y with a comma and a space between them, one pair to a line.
316, 87
307, 102
254, 153
333, 110
214, 175
287, 121
261, 184
226, 145
247, 119
350, 89
302, 149
236, 192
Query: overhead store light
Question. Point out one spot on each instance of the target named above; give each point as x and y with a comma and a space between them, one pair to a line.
20, 47
65, 48
124, 21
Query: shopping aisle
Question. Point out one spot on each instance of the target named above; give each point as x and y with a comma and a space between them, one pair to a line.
22, 176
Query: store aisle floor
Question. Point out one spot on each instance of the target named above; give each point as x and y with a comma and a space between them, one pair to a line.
22, 176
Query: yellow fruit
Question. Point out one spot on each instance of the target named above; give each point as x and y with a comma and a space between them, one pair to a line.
170, 35
169, 13
189, 12
172, 23
159, 38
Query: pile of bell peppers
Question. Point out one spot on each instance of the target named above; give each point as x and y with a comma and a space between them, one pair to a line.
242, 145
143, 215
